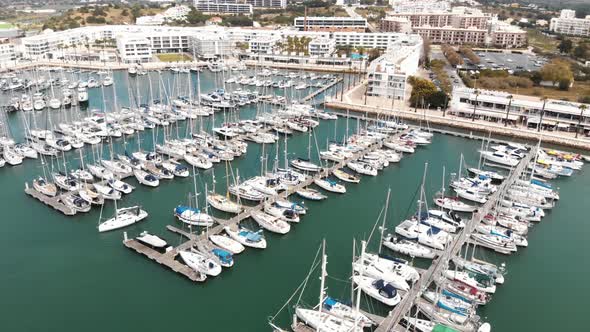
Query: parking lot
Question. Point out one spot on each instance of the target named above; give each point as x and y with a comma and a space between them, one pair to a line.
514, 62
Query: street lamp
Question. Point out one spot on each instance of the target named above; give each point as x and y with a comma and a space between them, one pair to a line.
582, 107
475, 105
508, 109
542, 114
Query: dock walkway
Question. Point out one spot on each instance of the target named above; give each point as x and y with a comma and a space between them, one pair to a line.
441, 262
55, 202
201, 240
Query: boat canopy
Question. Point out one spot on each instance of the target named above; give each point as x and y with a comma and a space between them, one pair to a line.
329, 303
181, 209
251, 236
223, 255
385, 289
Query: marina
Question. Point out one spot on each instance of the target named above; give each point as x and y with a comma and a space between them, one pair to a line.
347, 205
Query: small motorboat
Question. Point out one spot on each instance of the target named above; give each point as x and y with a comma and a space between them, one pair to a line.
151, 240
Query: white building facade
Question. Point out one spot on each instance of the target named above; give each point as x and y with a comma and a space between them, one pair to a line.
568, 24
527, 110
388, 74
321, 47
134, 49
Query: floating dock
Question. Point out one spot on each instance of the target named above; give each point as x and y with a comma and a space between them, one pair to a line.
54, 202
441, 262
201, 240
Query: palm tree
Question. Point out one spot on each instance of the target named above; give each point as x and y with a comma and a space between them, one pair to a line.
544, 99
508, 109
475, 105
582, 108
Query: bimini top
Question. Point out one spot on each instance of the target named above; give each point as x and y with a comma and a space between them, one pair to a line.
181, 209
329, 303
225, 256
385, 289
251, 236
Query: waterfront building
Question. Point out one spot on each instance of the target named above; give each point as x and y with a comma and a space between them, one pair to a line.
389, 73
263, 44
7, 53
134, 49
493, 105
176, 39
322, 23
208, 45
322, 47
568, 24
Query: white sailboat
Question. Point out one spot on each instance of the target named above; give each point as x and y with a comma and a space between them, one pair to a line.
227, 243
123, 218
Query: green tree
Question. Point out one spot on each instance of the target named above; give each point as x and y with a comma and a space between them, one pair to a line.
557, 71
565, 46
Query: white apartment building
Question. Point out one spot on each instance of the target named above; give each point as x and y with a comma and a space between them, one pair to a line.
209, 45
321, 47
134, 49
389, 73
263, 44
366, 40
412, 6
7, 53
267, 3
493, 105
568, 24
223, 7
176, 39
157, 19
323, 23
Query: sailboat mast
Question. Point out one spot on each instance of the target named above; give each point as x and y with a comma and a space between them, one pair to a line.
323, 276
384, 218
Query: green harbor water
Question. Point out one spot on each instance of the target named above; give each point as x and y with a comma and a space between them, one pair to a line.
59, 273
